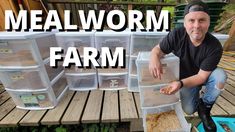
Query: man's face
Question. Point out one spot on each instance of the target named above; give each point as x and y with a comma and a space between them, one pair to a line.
197, 24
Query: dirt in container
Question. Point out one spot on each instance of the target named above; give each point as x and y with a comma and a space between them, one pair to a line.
20, 58
27, 80
162, 122
80, 50
148, 79
112, 70
85, 83
74, 69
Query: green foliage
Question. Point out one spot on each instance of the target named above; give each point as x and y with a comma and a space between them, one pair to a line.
103, 127
225, 22
229, 7
60, 129
108, 127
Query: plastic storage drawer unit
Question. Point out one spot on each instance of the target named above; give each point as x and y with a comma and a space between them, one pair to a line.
165, 119
150, 96
113, 82
170, 66
221, 37
19, 49
145, 41
76, 39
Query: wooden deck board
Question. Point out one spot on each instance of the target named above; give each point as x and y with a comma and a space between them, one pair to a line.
230, 89
231, 82
93, 107
218, 111
227, 106
3, 97
137, 101
50, 118
33, 118
6, 108
228, 96
127, 106
110, 111
1, 88
74, 112
13, 118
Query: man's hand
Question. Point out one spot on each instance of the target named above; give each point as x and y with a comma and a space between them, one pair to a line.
155, 66
172, 88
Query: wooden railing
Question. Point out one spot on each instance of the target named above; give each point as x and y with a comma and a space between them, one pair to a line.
74, 5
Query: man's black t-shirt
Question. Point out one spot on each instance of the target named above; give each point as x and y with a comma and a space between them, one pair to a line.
206, 56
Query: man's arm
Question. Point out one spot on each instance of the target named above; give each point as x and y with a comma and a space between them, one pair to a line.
197, 79
155, 67
188, 82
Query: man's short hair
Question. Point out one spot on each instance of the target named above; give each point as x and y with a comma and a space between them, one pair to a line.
196, 5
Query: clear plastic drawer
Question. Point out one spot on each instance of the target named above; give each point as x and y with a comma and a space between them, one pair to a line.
24, 79
165, 119
25, 52
18, 53
82, 83
221, 37
33, 100
145, 41
112, 40
116, 70
170, 66
30, 79
75, 39
151, 97
113, 82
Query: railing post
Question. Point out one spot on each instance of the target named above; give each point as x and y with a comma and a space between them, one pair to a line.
130, 7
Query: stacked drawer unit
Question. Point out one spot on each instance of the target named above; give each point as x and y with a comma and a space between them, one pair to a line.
79, 79
141, 41
221, 37
160, 112
110, 78
25, 71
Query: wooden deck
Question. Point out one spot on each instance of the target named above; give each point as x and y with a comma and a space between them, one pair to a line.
104, 106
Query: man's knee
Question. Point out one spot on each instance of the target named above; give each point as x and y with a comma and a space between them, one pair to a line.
188, 110
220, 77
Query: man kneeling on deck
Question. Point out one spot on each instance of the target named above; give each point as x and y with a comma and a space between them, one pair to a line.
199, 54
